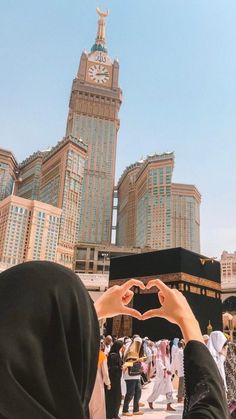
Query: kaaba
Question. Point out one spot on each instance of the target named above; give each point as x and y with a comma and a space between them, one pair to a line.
195, 275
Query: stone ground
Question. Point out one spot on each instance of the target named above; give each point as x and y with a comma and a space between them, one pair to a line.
159, 411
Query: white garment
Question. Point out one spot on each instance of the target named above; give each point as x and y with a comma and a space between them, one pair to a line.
154, 351
162, 382
215, 345
107, 349
97, 404
178, 363
148, 353
174, 350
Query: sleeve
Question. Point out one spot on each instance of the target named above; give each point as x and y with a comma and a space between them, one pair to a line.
205, 396
105, 374
160, 368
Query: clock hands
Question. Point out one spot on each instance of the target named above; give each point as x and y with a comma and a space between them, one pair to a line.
102, 74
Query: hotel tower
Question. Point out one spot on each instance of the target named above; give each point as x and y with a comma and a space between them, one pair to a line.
93, 116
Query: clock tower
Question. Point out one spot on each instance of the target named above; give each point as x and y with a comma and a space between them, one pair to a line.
93, 116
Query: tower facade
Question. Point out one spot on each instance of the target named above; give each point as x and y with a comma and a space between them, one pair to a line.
152, 211
60, 186
186, 201
28, 231
228, 270
8, 173
93, 116
144, 203
30, 176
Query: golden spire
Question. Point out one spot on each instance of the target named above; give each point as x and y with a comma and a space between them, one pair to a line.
101, 26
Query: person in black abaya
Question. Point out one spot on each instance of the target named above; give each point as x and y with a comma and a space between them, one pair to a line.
113, 396
49, 342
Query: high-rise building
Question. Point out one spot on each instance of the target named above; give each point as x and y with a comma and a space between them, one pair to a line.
8, 173
93, 116
152, 211
144, 203
126, 214
61, 182
186, 201
30, 176
228, 270
29, 230
54, 177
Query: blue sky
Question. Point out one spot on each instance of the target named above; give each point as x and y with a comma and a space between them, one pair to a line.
178, 76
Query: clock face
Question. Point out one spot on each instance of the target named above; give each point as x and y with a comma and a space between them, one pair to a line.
99, 73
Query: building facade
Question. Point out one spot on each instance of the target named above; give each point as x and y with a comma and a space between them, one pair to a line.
53, 177
94, 259
228, 286
228, 270
152, 211
29, 230
30, 176
93, 116
61, 183
8, 173
185, 201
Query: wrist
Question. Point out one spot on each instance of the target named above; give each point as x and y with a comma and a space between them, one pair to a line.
99, 311
190, 329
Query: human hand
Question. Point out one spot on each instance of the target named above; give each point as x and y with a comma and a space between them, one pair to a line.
175, 308
115, 300
109, 387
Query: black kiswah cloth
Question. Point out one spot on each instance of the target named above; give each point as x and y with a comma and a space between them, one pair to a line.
49, 341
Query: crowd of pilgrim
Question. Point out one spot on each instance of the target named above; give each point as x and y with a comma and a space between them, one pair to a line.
53, 364
158, 362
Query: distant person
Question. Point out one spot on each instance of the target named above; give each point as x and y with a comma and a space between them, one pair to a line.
217, 345
162, 382
132, 378
148, 355
174, 348
113, 396
97, 410
230, 372
177, 366
205, 339
108, 341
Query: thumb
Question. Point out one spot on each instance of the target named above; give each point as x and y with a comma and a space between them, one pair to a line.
132, 312
156, 312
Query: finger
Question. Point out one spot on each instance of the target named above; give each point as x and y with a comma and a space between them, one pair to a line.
127, 297
161, 297
129, 284
159, 284
128, 311
156, 312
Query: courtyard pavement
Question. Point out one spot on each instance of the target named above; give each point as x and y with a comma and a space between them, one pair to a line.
159, 405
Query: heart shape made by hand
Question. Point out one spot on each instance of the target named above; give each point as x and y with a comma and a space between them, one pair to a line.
128, 296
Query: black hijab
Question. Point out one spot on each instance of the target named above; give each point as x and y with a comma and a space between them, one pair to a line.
49, 342
116, 347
